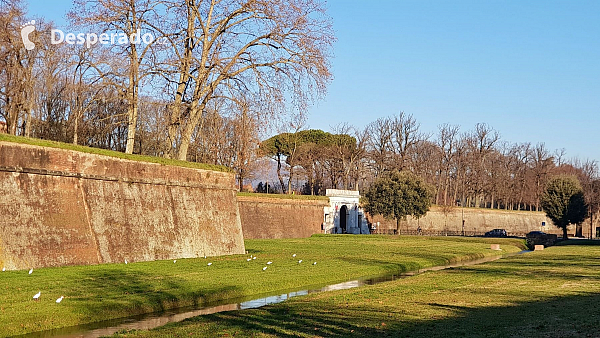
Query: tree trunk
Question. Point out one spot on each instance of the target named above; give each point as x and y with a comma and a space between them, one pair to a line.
184, 68
75, 129
565, 237
133, 87
289, 185
132, 118
183, 148
12, 123
591, 225
188, 130
279, 173
446, 187
28, 123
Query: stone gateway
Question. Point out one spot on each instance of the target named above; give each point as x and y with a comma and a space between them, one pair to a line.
344, 215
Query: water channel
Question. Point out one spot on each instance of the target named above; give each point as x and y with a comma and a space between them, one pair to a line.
156, 319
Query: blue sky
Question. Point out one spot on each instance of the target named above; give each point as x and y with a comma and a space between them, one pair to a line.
530, 69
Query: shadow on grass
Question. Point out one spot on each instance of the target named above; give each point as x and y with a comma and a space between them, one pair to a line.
132, 292
562, 317
578, 242
539, 270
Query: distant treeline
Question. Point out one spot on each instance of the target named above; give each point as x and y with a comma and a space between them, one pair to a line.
472, 168
213, 86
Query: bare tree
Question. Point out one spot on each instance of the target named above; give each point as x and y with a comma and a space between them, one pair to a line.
447, 143
379, 144
480, 145
272, 48
348, 149
16, 68
542, 163
126, 22
405, 135
244, 142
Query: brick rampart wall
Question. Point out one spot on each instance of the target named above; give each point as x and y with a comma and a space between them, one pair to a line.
61, 207
280, 218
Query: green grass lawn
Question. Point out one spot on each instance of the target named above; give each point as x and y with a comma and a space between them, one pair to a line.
550, 293
94, 293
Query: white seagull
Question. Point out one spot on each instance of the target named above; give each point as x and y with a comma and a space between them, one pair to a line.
248, 260
269, 263
300, 261
315, 263
254, 257
174, 261
125, 261
37, 295
265, 268
294, 255
209, 264
31, 271
59, 299
3, 269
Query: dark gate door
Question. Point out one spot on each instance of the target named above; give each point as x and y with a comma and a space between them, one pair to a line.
343, 214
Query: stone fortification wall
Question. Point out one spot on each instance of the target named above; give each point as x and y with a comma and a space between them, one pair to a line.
285, 218
61, 207
280, 218
477, 221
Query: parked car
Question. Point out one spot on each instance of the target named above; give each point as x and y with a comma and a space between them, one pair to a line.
496, 233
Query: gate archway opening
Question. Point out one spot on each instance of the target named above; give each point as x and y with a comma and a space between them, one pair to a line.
343, 218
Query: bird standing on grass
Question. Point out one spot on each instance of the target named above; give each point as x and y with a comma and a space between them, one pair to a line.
59, 299
31, 271
209, 264
125, 262
294, 255
265, 268
315, 263
36, 297
300, 261
269, 263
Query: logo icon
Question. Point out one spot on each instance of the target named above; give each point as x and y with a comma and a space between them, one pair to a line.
27, 29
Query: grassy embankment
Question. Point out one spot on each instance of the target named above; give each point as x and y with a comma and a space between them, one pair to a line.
111, 153
284, 196
550, 293
94, 293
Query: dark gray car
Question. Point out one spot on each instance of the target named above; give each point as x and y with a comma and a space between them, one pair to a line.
496, 233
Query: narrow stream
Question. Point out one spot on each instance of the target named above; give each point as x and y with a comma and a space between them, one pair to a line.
156, 319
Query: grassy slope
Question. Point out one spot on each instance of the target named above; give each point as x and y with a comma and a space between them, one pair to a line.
111, 153
550, 293
284, 196
94, 293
